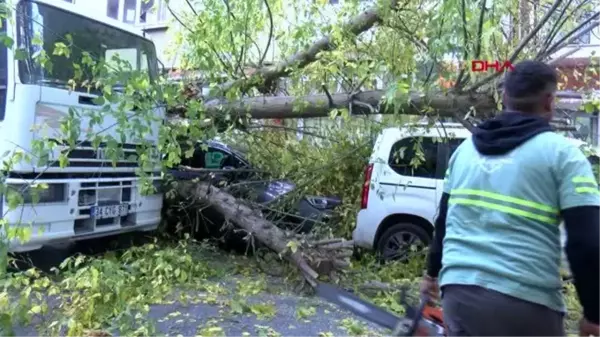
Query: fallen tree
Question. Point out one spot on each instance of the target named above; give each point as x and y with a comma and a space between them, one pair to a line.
362, 103
314, 257
457, 101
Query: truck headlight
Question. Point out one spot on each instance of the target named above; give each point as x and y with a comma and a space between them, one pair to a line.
40, 193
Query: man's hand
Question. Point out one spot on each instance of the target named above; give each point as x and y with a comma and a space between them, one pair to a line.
430, 288
587, 328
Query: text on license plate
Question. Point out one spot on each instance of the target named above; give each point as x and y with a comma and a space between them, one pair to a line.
111, 211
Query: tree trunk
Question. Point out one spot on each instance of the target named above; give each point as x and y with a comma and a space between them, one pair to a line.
308, 256
367, 102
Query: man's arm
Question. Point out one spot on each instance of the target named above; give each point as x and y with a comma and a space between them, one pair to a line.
579, 200
581, 224
434, 259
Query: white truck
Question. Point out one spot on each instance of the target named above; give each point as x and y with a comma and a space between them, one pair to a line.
90, 197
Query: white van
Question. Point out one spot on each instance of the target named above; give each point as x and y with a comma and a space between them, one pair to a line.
399, 202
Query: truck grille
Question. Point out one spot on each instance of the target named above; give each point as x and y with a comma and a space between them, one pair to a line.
85, 155
95, 194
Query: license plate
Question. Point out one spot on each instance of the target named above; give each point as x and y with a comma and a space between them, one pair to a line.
112, 211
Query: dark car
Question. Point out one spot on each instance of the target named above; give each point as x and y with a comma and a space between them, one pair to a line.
233, 171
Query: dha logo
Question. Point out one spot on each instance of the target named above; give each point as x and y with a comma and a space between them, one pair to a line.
479, 66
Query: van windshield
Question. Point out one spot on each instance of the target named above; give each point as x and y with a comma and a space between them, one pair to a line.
41, 26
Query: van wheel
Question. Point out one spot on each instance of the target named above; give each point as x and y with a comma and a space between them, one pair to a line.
401, 241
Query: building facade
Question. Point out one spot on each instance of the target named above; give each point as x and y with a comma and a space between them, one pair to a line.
154, 17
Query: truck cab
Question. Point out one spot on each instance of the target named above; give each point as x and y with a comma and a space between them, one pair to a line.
90, 196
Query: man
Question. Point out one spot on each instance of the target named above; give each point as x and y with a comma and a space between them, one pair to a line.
497, 244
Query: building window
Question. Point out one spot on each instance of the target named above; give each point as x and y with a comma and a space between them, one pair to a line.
415, 157
146, 10
137, 11
153, 11
112, 9
129, 11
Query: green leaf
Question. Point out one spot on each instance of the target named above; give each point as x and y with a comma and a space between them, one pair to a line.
20, 54
6, 40
36, 309
293, 246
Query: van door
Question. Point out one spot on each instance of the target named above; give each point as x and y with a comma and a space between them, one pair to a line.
411, 174
446, 150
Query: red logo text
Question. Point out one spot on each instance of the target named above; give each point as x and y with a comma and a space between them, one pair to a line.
484, 66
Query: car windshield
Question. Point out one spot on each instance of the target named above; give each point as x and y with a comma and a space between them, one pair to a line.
41, 27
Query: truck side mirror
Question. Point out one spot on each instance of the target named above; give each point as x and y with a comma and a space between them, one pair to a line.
161, 67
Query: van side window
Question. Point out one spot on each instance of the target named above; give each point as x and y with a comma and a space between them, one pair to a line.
414, 156
453, 144
595, 162
3, 68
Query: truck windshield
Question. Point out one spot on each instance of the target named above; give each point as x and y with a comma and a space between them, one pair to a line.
41, 26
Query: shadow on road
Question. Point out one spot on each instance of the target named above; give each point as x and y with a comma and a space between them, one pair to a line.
51, 256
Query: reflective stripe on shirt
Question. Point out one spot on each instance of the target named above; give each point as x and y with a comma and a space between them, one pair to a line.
528, 209
585, 185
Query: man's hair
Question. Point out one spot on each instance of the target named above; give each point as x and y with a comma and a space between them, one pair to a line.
528, 83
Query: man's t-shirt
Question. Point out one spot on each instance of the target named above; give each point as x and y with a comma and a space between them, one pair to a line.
502, 227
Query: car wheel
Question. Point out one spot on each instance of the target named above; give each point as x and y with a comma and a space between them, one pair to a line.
401, 240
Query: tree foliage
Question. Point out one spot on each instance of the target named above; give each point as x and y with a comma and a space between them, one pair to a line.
255, 48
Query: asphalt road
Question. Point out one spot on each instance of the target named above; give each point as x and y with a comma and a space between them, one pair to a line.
175, 319
289, 314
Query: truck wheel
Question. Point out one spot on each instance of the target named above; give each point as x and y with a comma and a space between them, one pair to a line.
401, 240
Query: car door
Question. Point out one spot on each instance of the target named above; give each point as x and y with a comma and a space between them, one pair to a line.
210, 157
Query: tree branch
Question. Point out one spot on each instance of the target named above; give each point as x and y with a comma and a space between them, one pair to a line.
520, 47
480, 29
230, 15
191, 7
262, 58
214, 50
459, 80
465, 32
357, 25
569, 38
555, 28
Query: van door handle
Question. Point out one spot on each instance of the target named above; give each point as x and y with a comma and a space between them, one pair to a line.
86, 100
